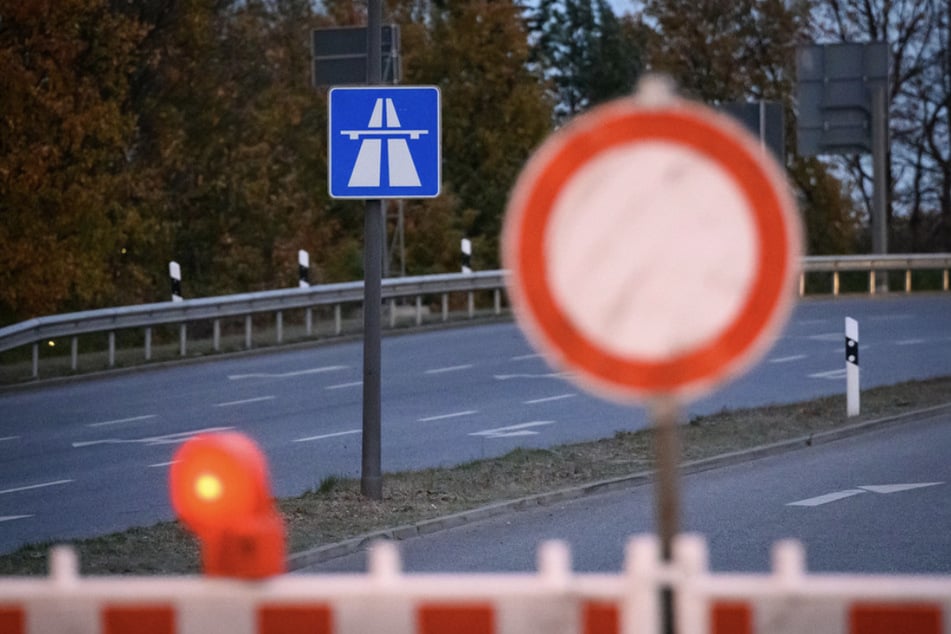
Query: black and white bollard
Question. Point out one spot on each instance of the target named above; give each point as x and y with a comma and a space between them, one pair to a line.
303, 268
852, 366
175, 275
466, 255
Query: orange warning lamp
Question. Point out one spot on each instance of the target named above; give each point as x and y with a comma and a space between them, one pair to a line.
220, 491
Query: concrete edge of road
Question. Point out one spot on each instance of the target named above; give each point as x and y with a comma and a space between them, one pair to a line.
304, 559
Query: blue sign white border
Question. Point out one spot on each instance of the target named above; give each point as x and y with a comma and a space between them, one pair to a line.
381, 91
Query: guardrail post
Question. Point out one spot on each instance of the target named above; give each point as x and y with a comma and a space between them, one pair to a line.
36, 360
802, 284
309, 321
419, 310
497, 300
871, 282
247, 332
338, 325
945, 276
445, 306
216, 335
112, 348
392, 304
471, 304
907, 280
74, 353
182, 337
280, 326
835, 283
148, 343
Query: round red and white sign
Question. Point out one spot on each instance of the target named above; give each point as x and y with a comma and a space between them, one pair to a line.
653, 249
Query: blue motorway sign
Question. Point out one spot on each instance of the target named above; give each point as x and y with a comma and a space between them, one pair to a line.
384, 142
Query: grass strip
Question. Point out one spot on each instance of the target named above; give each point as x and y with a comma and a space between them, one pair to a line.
335, 510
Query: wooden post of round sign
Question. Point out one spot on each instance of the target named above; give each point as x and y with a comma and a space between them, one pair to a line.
653, 249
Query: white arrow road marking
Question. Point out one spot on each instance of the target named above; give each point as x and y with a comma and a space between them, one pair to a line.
119, 421
333, 435
166, 439
468, 412
549, 399
828, 497
246, 401
523, 429
794, 357
286, 375
8, 518
895, 488
869, 488
452, 368
833, 375
30, 487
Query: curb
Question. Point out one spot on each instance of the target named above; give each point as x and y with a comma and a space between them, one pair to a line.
304, 559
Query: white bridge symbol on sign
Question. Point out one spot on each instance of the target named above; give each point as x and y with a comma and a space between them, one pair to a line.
369, 164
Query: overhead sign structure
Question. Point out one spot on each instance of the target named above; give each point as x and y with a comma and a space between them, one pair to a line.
384, 142
653, 248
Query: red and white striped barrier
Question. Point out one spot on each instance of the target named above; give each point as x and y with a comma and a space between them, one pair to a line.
554, 600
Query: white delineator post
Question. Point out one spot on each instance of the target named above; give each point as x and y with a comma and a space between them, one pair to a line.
303, 268
466, 255
175, 275
852, 366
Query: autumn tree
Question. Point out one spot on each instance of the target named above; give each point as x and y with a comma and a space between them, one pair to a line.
919, 160
65, 134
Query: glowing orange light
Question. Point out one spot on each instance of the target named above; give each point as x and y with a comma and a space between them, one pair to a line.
208, 487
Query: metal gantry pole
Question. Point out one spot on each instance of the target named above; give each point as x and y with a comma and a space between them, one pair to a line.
371, 478
880, 176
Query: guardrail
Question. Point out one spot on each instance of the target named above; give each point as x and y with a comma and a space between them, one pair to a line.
277, 302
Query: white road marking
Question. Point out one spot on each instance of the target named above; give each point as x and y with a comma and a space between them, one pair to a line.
865, 488
829, 374
286, 375
164, 464
522, 429
548, 399
895, 488
333, 435
909, 342
891, 317
525, 357
8, 518
30, 487
828, 497
550, 375
428, 419
341, 386
120, 421
166, 439
9, 438
828, 336
793, 357
246, 401
452, 368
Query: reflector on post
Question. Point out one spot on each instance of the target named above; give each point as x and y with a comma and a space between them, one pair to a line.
219, 489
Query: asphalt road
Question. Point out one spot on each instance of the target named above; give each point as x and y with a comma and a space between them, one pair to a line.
91, 456
879, 502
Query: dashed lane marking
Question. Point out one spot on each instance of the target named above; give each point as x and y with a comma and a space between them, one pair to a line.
120, 421
286, 375
331, 435
832, 375
341, 386
549, 375
429, 419
257, 399
10, 518
30, 487
549, 399
451, 368
9, 438
910, 342
522, 429
165, 439
828, 497
790, 358
525, 357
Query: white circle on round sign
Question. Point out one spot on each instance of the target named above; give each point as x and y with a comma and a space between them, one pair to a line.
642, 236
